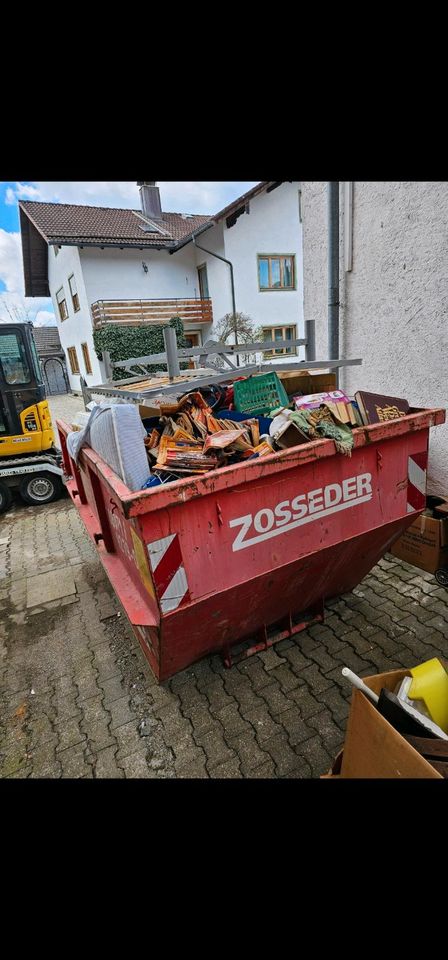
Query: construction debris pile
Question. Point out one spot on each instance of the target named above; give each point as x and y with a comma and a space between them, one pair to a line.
203, 431
189, 439
211, 427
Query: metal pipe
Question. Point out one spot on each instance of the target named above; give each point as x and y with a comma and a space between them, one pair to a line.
217, 255
172, 360
310, 341
333, 269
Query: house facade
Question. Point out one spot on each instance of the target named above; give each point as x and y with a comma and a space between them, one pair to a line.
261, 235
102, 265
393, 293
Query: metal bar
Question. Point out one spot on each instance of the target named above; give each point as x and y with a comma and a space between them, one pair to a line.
310, 347
107, 364
106, 533
209, 349
85, 391
333, 268
169, 336
348, 225
194, 384
227, 361
310, 365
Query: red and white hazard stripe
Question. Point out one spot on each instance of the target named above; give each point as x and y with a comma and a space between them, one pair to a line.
168, 571
416, 495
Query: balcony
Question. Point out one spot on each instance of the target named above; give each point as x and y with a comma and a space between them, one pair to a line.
134, 313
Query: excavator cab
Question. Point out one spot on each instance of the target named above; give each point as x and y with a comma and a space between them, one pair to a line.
29, 460
25, 419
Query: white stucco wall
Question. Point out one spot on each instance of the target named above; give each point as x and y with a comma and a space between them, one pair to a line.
77, 329
394, 302
272, 226
118, 274
114, 274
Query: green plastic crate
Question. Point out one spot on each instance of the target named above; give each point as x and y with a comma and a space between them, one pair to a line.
259, 395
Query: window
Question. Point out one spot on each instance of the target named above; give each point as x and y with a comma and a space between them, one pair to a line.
203, 281
85, 353
13, 359
276, 272
36, 362
74, 293
279, 333
62, 304
73, 359
192, 339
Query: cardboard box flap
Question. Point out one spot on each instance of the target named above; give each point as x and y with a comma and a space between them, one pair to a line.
375, 750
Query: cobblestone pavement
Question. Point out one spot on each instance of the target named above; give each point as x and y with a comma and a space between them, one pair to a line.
66, 405
77, 697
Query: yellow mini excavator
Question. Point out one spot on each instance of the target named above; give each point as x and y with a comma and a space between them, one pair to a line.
29, 459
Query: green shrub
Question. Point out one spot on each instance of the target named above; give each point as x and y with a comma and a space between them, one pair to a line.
124, 342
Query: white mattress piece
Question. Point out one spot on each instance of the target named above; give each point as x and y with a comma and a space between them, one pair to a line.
116, 433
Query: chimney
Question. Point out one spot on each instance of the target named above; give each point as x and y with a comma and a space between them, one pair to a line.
150, 199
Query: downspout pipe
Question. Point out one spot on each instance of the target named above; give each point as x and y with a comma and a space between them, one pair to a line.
333, 271
230, 264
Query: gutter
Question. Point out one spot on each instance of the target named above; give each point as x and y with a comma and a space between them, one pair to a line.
333, 270
191, 236
102, 246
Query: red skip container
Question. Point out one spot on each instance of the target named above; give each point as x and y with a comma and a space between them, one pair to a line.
252, 551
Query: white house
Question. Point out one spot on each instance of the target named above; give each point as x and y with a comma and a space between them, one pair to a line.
393, 275
105, 264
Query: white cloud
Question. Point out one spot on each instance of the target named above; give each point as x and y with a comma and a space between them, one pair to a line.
203, 197
23, 191
13, 303
14, 308
44, 318
11, 261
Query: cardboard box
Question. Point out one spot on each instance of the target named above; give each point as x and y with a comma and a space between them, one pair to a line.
290, 436
304, 382
373, 749
424, 544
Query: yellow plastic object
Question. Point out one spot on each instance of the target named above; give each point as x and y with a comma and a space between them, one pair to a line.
430, 684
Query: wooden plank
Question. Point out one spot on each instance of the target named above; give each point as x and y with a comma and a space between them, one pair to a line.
103, 304
152, 309
161, 300
153, 312
150, 314
441, 767
133, 322
155, 300
195, 305
437, 749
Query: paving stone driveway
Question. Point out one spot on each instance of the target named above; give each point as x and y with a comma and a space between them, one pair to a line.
77, 698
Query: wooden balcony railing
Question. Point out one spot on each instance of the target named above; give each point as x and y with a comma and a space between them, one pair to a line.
133, 313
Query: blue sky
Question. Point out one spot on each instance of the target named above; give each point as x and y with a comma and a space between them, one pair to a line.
204, 197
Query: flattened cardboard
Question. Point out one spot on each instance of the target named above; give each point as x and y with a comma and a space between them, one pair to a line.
373, 748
